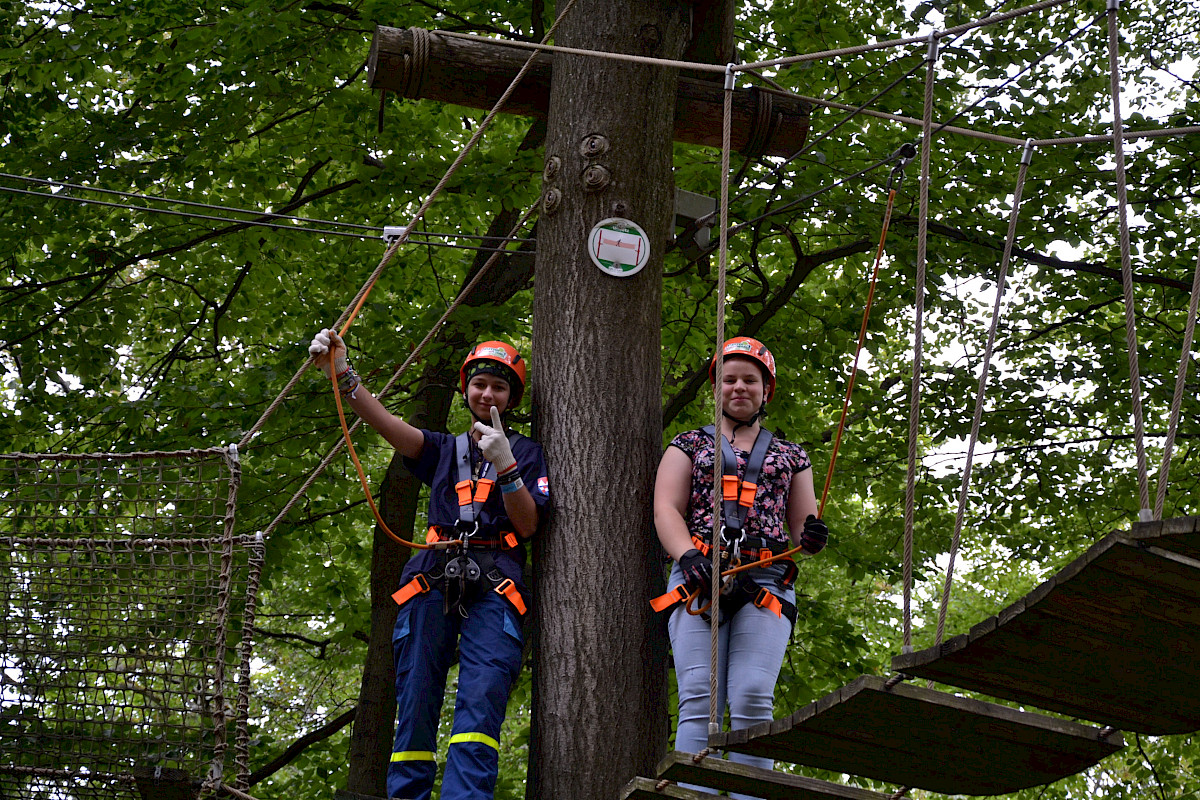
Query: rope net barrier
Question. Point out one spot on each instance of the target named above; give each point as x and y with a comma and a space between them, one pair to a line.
125, 592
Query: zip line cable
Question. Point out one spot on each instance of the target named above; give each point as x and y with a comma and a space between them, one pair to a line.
235, 209
263, 223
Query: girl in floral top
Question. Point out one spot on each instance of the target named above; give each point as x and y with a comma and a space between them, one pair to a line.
752, 638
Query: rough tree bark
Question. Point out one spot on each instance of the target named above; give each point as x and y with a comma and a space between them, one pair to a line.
600, 699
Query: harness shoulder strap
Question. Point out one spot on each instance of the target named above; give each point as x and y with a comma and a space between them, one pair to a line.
737, 494
468, 490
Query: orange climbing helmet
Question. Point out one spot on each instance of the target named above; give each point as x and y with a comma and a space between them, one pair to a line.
495, 358
752, 349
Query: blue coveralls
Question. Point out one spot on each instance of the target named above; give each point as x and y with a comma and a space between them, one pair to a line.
488, 639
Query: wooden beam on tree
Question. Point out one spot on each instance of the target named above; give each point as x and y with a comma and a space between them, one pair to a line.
419, 64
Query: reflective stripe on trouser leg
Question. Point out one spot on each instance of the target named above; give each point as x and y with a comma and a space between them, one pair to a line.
422, 645
489, 660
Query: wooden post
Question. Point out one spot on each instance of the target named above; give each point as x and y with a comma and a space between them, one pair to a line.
416, 63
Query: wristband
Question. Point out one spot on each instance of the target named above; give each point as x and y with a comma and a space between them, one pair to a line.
509, 475
515, 485
348, 383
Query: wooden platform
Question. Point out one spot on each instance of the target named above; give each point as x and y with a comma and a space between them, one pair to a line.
727, 776
916, 737
1114, 637
646, 789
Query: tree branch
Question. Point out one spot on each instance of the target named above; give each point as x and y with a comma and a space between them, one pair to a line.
300, 745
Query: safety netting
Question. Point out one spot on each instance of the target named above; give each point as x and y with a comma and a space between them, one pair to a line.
124, 635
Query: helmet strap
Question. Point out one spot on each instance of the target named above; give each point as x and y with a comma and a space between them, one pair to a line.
745, 423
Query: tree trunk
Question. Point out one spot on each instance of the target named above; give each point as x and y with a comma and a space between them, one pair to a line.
600, 684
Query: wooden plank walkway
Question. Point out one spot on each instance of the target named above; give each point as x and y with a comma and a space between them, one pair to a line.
1113, 637
768, 784
916, 737
647, 789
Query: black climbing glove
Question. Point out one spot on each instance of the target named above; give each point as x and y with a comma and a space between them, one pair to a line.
815, 535
697, 571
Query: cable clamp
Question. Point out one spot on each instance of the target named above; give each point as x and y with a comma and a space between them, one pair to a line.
932, 53
1027, 153
391, 233
729, 76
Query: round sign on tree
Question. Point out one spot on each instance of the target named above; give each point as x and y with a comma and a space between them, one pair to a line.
619, 246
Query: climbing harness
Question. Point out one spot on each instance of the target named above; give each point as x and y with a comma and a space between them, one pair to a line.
737, 498
467, 565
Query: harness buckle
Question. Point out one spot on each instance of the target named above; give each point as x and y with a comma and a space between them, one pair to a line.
768, 601
729, 487
508, 590
464, 491
483, 489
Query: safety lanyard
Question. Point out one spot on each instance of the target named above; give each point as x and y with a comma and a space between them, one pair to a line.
737, 495
470, 491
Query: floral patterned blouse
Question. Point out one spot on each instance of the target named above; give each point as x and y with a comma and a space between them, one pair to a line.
768, 516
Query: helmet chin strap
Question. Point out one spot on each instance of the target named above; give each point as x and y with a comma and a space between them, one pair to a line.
745, 423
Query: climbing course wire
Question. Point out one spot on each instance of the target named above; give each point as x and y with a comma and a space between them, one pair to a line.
347, 318
914, 408
357, 231
1189, 331
1139, 430
904, 156
416, 353
989, 348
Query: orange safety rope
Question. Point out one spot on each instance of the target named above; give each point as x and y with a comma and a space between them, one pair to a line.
903, 156
362, 476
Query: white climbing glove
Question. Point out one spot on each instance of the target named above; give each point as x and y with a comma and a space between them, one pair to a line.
494, 444
328, 349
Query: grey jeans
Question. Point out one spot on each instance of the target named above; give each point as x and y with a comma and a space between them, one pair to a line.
750, 650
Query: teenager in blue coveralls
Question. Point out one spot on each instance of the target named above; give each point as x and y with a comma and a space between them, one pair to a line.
757, 607
471, 595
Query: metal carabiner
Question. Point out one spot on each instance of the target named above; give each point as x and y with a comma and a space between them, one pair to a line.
903, 156
461, 527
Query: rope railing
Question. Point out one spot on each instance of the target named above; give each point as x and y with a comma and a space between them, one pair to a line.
1189, 331
714, 714
1135, 383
